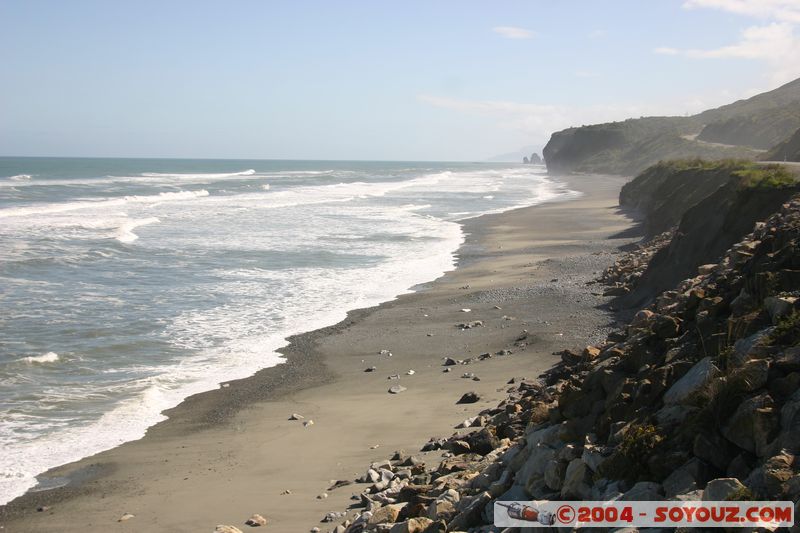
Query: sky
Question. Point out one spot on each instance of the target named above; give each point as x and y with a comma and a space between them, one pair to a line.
413, 80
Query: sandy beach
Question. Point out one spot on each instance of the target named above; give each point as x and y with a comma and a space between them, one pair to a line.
229, 453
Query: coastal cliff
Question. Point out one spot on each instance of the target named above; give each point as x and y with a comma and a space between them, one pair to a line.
742, 129
707, 207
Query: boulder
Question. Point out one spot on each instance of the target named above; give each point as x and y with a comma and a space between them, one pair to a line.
779, 306
397, 389
593, 456
412, 525
748, 348
644, 491
256, 520
441, 510
469, 397
577, 481
721, 489
665, 327
387, 513
704, 270
590, 353
753, 374
685, 479
753, 425
554, 473
692, 382
471, 512
642, 319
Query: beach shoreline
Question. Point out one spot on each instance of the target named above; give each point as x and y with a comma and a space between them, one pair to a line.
225, 454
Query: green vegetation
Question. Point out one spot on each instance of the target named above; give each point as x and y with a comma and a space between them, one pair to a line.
765, 176
742, 494
787, 331
630, 460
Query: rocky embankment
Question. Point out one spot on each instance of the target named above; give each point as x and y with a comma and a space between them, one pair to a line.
697, 398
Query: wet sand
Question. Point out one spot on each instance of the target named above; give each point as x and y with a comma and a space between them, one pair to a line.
226, 454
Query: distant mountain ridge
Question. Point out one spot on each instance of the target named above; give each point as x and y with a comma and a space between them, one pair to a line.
788, 150
743, 129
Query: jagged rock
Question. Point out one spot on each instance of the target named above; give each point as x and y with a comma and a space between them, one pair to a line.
471, 512
256, 520
449, 361
685, 479
577, 481
386, 513
554, 474
692, 382
443, 507
753, 374
779, 306
673, 414
705, 270
644, 491
749, 347
642, 319
469, 397
691, 496
753, 425
665, 327
459, 446
590, 353
593, 457
412, 525
227, 529
721, 489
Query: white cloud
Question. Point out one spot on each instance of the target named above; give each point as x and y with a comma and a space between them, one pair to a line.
780, 10
773, 42
513, 32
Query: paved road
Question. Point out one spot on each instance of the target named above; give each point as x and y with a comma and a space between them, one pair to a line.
793, 166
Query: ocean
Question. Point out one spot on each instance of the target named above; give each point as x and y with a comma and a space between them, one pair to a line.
127, 285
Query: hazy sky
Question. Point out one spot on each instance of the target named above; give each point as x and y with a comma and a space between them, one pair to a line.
411, 80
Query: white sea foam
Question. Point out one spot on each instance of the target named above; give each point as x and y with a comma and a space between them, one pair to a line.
125, 232
44, 209
387, 246
249, 172
49, 357
20, 177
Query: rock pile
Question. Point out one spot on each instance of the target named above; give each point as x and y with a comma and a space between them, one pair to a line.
621, 277
697, 398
